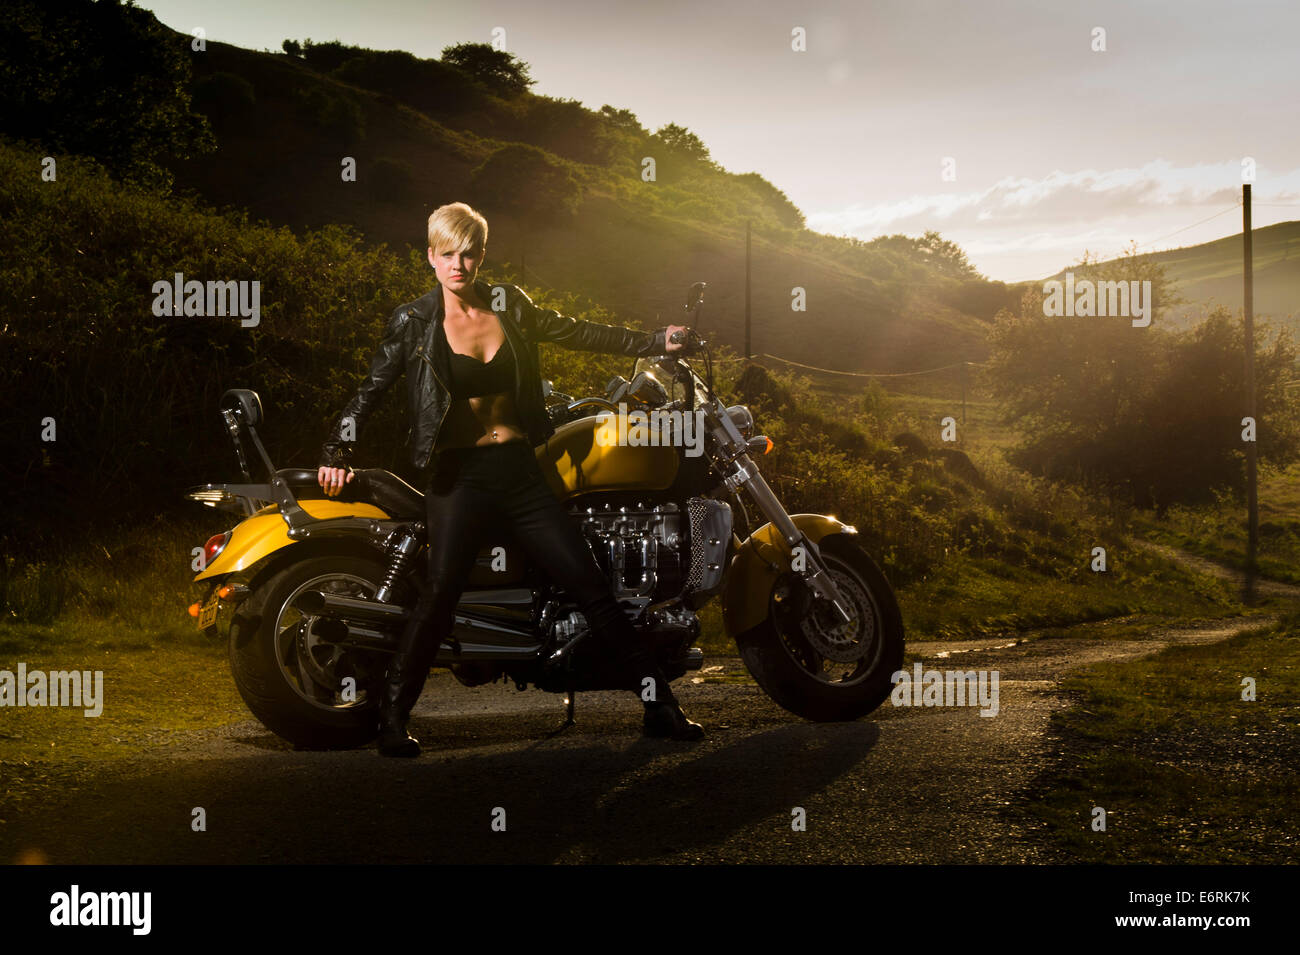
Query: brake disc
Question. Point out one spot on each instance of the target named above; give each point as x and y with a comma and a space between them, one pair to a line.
830, 635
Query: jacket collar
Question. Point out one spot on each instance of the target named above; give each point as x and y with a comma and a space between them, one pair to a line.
434, 306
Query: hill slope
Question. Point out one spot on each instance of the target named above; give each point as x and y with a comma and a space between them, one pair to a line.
1211, 274
284, 129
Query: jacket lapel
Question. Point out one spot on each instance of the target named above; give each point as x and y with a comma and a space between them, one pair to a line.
436, 338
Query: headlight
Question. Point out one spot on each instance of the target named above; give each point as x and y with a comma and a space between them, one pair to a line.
744, 421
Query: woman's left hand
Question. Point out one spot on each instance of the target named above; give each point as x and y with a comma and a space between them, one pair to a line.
671, 346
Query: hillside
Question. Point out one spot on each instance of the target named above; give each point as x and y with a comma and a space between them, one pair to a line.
1211, 273
283, 128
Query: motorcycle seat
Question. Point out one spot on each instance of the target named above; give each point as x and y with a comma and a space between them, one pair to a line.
384, 489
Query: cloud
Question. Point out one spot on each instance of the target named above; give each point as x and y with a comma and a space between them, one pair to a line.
1061, 206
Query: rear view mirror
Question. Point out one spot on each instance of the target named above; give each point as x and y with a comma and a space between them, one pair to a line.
695, 295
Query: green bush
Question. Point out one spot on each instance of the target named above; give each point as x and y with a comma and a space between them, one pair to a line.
224, 97
334, 112
390, 180
101, 79
525, 182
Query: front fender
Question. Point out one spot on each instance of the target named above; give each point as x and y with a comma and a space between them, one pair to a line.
265, 532
757, 564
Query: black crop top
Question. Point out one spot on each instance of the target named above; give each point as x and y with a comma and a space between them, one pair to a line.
471, 378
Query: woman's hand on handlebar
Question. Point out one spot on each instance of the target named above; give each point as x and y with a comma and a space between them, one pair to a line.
332, 479
671, 346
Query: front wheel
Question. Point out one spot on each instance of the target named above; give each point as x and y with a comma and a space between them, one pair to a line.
813, 663
314, 694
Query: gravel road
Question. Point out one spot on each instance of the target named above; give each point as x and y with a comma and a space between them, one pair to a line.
929, 785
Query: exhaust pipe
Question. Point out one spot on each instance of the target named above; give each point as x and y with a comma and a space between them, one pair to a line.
349, 621
332, 605
486, 605
341, 634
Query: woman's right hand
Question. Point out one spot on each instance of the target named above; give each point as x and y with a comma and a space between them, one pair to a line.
332, 479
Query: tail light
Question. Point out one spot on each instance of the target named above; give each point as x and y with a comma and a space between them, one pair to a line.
213, 547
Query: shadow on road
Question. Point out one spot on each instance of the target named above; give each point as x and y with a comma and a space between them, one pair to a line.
596, 795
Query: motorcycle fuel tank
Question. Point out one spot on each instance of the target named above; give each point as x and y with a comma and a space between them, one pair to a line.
580, 458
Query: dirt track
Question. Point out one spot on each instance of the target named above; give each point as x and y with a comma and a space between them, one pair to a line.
902, 785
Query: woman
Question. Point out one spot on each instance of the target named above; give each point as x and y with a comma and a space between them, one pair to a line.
475, 400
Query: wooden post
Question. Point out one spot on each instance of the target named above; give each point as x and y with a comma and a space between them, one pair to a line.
963, 396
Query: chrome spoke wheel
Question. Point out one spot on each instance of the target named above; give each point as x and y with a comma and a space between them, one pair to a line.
318, 671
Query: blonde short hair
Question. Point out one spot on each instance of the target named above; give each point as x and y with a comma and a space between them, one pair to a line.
457, 227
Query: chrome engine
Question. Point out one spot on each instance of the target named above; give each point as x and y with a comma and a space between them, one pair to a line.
663, 562
652, 554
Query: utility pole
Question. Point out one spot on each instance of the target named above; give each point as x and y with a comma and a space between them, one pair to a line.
748, 349
1252, 501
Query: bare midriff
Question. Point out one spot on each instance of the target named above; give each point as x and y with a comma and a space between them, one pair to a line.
485, 419
474, 422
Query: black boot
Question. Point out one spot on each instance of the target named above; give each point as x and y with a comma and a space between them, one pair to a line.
407, 672
663, 718
394, 712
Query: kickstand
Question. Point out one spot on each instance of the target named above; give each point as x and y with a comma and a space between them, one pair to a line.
570, 697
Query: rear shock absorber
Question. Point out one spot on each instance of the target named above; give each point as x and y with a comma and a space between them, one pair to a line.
402, 548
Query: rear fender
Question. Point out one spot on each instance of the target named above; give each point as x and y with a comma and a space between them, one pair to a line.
265, 533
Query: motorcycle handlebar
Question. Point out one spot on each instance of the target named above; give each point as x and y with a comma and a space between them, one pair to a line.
689, 338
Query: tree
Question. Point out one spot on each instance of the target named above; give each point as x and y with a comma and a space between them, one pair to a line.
524, 181
1130, 266
1147, 414
947, 257
105, 80
684, 142
776, 201
622, 119
498, 70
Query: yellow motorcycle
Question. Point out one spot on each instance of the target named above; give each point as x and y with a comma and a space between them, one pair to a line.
316, 590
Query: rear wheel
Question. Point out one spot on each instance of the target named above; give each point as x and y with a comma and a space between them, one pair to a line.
813, 663
314, 694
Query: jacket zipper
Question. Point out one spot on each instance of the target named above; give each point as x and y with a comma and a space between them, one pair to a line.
434, 440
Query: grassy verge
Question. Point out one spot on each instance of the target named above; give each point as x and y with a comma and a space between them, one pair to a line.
1187, 771
970, 598
115, 603
1218, 532
149, 691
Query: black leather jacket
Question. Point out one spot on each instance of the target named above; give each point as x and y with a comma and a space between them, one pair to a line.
411, 345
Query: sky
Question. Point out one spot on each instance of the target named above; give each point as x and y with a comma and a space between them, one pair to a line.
995, 123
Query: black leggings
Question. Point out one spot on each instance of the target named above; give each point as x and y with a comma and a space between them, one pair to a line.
476, 490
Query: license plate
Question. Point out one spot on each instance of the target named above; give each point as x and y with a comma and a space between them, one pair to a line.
208, 612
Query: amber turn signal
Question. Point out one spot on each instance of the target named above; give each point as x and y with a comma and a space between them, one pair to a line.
233, 592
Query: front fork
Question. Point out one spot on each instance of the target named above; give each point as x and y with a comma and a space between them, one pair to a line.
747, 475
